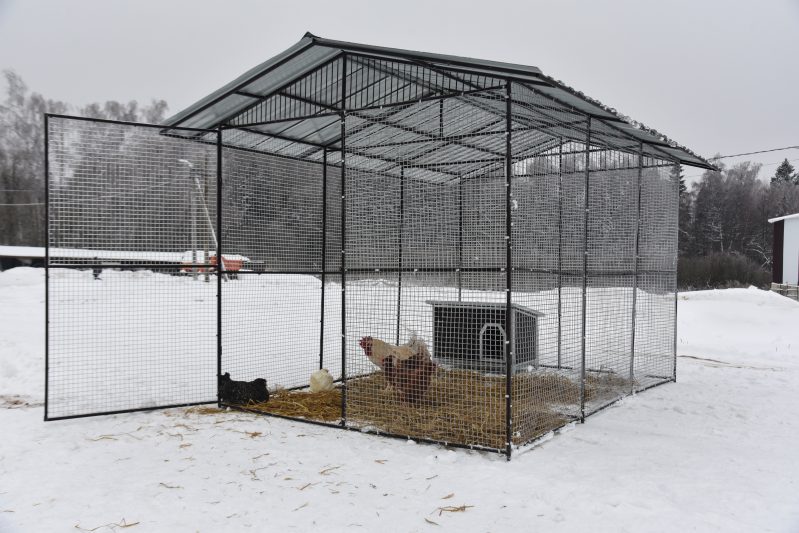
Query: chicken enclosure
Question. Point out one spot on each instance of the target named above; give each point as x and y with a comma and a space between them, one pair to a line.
478, 254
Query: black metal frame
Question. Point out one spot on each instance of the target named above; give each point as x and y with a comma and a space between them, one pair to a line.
507, 160
79, 264
584, 301
509, 329
560, 252
323, 274
343, 144
220, 263
46, 264
399, 262
636, 264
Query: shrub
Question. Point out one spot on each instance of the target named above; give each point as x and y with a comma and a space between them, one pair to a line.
719, 270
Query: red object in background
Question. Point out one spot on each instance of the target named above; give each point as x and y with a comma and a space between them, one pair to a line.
230, 264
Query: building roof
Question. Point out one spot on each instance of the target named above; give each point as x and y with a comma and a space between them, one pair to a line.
786, 217
295, 99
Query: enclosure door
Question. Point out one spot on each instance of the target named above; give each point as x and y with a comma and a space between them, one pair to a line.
131, 283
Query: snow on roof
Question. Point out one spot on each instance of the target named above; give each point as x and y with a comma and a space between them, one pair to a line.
777, 219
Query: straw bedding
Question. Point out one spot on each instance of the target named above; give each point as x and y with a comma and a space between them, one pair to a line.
464, 407
461, 406
321, 406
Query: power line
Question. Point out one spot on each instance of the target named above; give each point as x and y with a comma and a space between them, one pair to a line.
753, 153
761, 164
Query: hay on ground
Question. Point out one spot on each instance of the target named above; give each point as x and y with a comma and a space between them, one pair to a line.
465, 407
322, 406
461, 406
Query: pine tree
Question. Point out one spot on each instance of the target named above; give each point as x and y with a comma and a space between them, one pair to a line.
686, 240
785, 172
677, 175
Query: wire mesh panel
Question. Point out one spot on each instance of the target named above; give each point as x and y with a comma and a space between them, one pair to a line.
572, 246
612, 225
270, 328
576, 216
656, 303
546, 392
131, 281
272, 209
425, 252
548, 215
272, 215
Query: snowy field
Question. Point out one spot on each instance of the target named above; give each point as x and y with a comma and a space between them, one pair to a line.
714, 452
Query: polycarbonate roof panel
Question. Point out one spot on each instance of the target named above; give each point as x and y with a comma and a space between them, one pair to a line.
217, 113
298, 67
310, 72
319, 131
178, 118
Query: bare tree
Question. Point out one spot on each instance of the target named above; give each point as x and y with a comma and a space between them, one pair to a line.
22, 180
731, 211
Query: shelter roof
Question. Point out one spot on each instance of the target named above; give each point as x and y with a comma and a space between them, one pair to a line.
296, 99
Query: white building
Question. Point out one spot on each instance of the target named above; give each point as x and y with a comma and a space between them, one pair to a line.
785, 253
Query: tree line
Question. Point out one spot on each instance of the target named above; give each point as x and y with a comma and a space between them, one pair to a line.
22, 196
724, 234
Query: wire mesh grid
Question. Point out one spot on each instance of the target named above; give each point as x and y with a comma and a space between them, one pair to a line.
612, 224
440, 338
655, 346
547, 218
271, 209
273, 214
545, 391
425, 253
131, 242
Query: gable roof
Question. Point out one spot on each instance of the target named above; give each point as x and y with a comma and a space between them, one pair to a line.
272, 90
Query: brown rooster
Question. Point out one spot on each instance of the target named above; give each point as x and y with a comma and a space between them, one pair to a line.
408, 368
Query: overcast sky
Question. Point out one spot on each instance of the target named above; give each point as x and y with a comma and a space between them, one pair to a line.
717, 76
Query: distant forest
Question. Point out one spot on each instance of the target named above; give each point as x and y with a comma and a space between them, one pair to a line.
22, 211
724, 235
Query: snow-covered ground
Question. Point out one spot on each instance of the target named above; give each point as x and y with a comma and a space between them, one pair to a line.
715, 451
142, 338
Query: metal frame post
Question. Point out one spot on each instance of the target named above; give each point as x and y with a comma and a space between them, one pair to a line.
635, 264
676, 289
206, 244
193, 225
220, 263
509, 334
401, 234
585, 267
460, 239
343, 240
46, 263
560, 251
324, 262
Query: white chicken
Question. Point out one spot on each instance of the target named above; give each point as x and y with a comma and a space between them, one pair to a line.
321, 381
